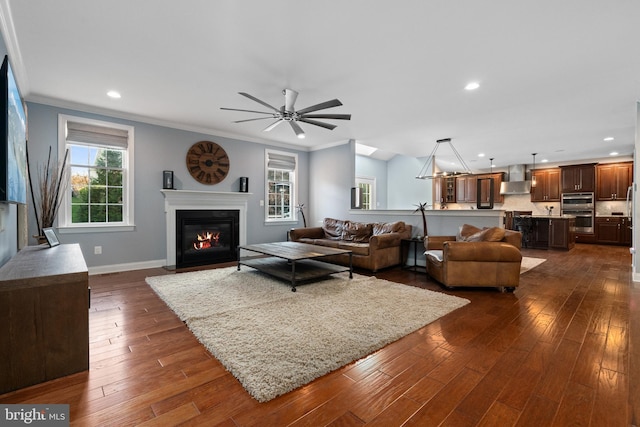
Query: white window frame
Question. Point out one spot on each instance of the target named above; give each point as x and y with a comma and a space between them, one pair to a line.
64, 214
294, 192
371, 182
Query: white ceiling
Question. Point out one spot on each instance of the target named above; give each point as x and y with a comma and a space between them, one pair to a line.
556, 76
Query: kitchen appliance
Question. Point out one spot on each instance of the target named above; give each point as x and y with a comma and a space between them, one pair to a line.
580, 205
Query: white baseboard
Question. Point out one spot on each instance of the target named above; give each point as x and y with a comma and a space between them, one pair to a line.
116, 268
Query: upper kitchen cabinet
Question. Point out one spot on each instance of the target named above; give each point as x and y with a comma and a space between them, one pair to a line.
466, 189
446, 190
547, 187
613, 179
579, 178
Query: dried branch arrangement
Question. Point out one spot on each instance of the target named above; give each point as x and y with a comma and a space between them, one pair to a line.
52, 181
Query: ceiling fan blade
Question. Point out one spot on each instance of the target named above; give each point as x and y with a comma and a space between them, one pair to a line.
297, 129
321, 106
246, 111
290, 97
317, 123
328, 116
253, 98
272, 125
250, 120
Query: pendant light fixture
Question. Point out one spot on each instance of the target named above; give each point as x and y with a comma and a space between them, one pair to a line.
427, 170
533, 176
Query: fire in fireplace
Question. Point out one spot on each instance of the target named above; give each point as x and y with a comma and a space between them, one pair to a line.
206, 237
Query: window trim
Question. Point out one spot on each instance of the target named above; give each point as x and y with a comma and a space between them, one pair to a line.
64, 214
294, 193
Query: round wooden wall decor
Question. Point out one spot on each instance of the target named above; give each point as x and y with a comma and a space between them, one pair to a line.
207, 162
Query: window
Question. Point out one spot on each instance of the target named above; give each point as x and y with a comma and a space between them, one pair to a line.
281, 171
100, 192
368, 186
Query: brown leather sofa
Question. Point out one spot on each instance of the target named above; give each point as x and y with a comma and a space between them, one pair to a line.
476, 257
373, 245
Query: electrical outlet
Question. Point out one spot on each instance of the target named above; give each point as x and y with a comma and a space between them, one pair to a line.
97, 250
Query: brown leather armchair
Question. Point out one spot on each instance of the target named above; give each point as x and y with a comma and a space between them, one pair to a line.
456, 262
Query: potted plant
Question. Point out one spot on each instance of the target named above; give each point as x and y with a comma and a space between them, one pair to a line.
422, 207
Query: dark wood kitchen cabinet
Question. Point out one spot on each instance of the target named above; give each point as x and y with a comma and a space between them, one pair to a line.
466, 189
497, 182
547, 188
613, 230
553, 233
446, 190
578, 178
562, 233
612, 180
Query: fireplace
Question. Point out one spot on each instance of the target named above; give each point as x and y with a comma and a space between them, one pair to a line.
206, 237
202, 201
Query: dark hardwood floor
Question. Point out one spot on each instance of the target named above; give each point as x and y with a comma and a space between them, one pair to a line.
563, 349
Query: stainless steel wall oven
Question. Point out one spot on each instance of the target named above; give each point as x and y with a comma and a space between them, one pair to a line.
580, 205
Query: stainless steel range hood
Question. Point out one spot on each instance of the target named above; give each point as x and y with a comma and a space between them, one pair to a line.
516, 183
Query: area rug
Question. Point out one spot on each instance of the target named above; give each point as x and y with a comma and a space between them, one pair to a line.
529, 262
274, 340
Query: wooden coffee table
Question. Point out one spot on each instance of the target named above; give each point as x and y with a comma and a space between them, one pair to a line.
293, 261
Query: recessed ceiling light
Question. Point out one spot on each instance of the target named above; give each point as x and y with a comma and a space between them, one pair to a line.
472, 86
544, 161
481, 155
609, 138
114, 94
613, 153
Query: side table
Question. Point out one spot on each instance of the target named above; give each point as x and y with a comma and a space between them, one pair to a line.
408, 245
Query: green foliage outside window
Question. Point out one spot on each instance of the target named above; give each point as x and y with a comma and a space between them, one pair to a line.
96, 184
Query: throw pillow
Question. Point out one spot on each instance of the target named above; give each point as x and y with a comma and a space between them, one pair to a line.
465, 231
493, 234
332, 228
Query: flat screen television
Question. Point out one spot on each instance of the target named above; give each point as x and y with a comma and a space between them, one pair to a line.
13, 139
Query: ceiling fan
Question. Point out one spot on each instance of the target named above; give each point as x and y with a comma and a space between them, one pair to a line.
287, 113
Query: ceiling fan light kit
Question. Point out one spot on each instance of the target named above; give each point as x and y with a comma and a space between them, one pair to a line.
288, 113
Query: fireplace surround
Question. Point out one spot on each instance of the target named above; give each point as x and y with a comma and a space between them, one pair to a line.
193, 200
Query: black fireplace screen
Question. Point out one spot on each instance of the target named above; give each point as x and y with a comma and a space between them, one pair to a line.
206, 237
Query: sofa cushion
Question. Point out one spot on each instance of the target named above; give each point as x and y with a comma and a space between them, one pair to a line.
358, 232
361, 249
333, 228
327, 242
387, 227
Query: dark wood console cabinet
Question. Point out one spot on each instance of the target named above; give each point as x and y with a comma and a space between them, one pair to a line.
44, 316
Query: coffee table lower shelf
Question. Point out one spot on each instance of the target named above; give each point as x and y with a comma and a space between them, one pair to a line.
292, 271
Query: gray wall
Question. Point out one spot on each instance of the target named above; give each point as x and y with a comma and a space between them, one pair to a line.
160, 148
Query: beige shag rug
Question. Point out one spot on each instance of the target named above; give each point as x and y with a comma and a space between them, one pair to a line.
274, 340
529, 262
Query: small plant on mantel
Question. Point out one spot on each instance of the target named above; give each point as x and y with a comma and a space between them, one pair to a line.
422, 207
51, 182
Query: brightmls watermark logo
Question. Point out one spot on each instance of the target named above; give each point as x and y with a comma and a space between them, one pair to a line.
36, 415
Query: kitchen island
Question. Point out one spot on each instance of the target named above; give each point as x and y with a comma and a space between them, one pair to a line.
547, 231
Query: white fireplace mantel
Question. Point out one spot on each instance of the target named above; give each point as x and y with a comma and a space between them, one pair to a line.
175, 200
